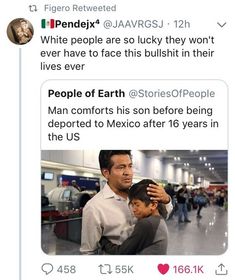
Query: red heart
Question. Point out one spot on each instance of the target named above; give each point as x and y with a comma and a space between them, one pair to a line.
163, 268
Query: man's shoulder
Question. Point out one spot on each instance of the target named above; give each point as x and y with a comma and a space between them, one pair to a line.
97, 200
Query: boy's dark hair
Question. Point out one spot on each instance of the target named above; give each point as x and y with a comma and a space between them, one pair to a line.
139, 191
105, 157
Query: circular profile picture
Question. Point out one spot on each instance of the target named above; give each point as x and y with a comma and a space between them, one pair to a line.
20, 31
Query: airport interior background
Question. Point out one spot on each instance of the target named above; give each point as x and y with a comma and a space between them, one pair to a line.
71, 178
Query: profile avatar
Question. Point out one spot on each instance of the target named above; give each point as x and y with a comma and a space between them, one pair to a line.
20, 31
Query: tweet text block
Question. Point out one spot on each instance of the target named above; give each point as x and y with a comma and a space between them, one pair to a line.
170, 114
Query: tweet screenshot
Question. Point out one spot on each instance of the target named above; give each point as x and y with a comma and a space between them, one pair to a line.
124, 116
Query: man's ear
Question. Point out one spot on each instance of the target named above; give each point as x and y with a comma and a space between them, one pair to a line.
105, 173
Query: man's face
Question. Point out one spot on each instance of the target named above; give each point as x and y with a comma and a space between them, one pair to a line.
120, 175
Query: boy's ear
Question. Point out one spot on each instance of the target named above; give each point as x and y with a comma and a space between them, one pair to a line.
154, 205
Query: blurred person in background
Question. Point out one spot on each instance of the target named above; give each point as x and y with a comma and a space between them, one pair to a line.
182, 197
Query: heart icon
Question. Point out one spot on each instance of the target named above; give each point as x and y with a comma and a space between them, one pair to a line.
163, 268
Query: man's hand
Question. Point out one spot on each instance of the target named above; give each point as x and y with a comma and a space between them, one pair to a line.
157, 193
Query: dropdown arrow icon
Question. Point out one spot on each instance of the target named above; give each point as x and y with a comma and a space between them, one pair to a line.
221, 24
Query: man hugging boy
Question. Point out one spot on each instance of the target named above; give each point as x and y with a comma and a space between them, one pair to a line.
150, 234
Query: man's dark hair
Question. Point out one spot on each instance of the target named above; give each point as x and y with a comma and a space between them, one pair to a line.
139, 191
105, 157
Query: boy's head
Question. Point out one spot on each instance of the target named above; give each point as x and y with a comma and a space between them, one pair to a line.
140, 202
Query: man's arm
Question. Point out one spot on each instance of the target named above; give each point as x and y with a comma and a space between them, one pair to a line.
141, 238
91, 231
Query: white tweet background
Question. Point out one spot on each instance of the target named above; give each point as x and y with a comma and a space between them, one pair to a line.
21, 125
